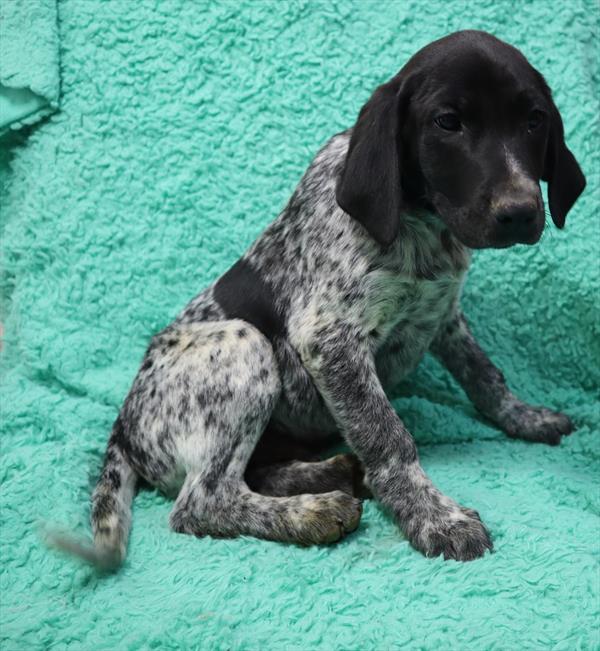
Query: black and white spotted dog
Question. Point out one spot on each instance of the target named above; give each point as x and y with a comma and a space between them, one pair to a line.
307, 335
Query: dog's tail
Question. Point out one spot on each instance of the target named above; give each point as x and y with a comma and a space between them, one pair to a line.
111, 513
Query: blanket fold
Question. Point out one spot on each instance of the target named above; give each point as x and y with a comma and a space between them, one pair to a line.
29, 62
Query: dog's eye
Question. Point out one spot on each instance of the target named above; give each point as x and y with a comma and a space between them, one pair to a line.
534, 120
448, 122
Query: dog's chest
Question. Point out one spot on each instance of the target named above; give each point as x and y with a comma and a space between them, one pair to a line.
414, 291
411, 309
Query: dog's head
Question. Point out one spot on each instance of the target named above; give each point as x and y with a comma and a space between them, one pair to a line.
467, 128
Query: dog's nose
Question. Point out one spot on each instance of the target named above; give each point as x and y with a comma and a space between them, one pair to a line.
517, 220
516, 215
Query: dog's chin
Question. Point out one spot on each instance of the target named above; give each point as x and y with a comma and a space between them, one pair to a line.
498, 241
529, 239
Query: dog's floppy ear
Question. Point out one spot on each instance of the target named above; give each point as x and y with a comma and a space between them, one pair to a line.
562, 172
369, 186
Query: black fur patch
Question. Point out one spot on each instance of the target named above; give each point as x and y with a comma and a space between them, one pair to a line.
243, 294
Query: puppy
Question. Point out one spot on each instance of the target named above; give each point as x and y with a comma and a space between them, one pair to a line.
307, 335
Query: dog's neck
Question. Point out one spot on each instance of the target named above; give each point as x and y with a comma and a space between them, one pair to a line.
426, 240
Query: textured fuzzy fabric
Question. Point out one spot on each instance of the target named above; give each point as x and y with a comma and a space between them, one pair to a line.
183, 129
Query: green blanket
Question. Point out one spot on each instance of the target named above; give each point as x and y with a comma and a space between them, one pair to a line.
183, 128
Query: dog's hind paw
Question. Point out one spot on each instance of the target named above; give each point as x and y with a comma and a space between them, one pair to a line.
327, 518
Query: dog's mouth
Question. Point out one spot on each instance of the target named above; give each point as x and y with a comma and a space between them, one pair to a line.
529, 235
494, 238
482, 232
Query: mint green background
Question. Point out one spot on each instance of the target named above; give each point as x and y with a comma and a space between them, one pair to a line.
183, 129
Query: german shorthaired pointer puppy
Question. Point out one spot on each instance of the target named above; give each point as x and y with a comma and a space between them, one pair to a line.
307, 335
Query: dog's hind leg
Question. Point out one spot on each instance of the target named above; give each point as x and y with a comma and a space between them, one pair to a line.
232, 370
231, 509
342, 472
283, 465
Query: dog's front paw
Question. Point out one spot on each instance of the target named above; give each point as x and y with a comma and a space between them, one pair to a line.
456, 534
536, 424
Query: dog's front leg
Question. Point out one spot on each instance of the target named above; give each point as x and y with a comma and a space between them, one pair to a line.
342, 365
458, 350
